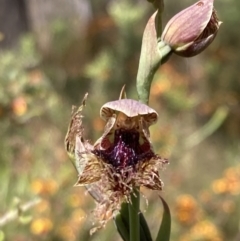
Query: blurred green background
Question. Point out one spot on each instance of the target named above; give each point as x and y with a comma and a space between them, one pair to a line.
51, 54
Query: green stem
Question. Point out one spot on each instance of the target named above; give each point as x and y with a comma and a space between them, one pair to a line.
147, 69
134, 211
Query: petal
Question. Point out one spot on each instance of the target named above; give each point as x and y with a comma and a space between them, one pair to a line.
131, 108
104, 141
196, 48
88, 166
75, 128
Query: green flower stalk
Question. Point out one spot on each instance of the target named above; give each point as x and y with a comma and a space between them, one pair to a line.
192, 30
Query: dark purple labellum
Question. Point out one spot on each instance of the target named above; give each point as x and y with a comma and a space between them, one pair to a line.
125, 150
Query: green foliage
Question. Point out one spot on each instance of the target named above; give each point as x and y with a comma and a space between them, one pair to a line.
165, 228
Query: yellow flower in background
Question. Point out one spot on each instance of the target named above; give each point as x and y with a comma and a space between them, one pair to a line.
44, 186
219, 186
187, 210
232, 176
19, 106
229, 183
204, 231
41, 226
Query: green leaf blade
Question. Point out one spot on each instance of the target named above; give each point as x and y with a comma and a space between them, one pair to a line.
165, 227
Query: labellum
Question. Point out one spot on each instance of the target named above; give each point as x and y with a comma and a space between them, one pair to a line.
121, 159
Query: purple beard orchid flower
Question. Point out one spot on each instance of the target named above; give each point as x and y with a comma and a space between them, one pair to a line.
120, 160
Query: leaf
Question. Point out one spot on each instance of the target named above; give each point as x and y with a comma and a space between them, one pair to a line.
122, 222
122, 228
165, 227
144, 229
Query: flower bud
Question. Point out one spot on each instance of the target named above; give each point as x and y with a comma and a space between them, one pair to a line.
190, 31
